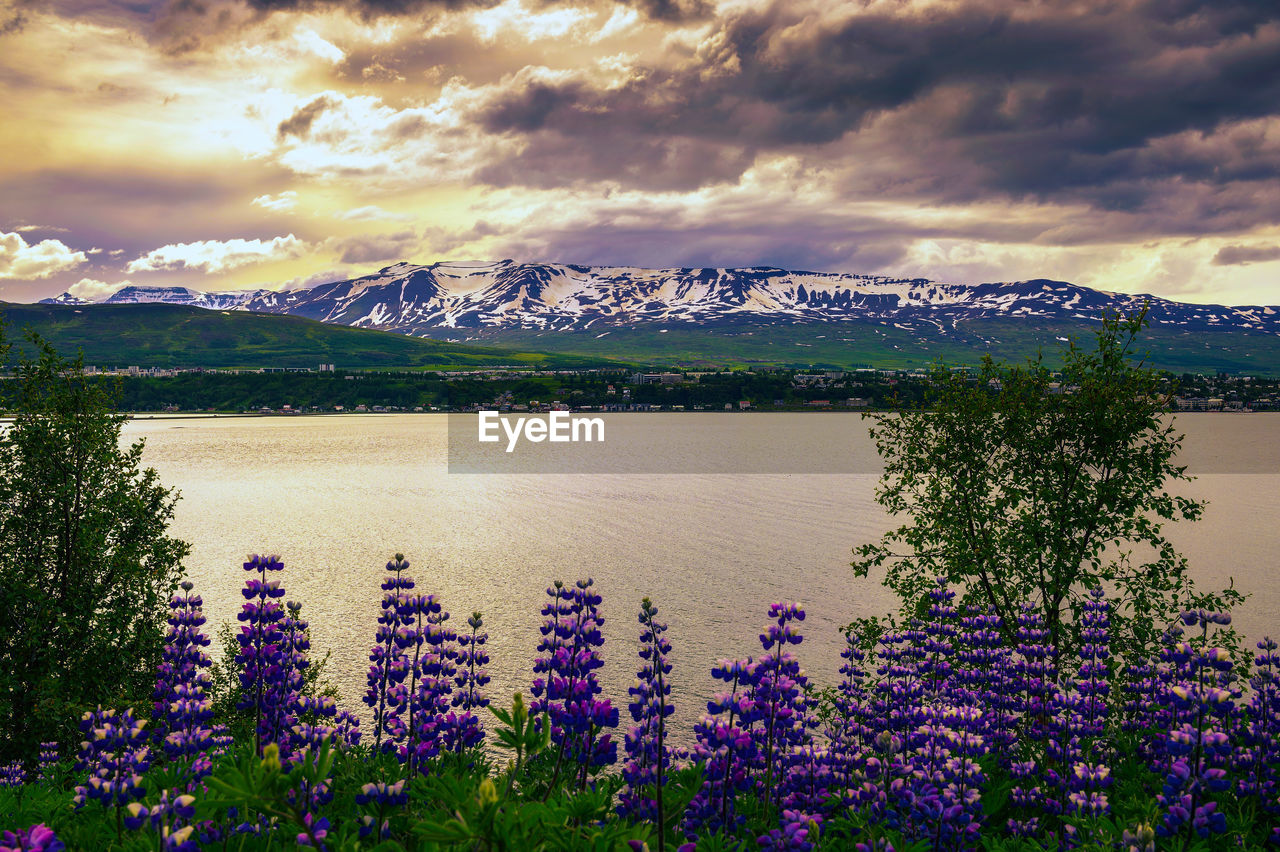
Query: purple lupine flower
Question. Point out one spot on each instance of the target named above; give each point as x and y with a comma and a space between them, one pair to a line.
463, 727
647, 754
1142, 706
939, 795
1035, 692
778, 693
115, 754
416, 613
320, 722
569, 692
37, 838
985, 676
182, 711
11, 774
378, 797
311, 719
726, 749
48, 760
387, 695
472, 658
169, 819
879, 845
435, 669
798, 832
222, 741
939, 644
294, 649
260, 657
314, 831
1077, 752
849, 732
1198, 751
899, 693
1258, 761
809, 782
347, 728
1037, 673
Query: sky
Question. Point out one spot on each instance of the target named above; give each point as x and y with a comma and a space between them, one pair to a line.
1128, 145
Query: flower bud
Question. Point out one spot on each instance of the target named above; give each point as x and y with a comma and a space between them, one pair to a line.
271, 758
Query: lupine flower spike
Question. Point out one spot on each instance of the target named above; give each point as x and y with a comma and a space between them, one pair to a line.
569, 692
11, 774
115, 754
388, 695
49, 757
650, 705
260, 657
182, 711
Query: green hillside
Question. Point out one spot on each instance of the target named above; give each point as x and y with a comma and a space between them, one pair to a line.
867, 344
159, 335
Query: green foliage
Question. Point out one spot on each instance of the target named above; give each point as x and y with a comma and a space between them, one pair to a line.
86, 563
236, 392
1026, 486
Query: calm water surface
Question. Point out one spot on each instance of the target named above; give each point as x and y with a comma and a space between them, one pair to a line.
336, 495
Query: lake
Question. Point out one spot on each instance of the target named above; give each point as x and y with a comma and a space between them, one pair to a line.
335, 496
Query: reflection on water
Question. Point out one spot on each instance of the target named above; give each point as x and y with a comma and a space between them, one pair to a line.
336, 496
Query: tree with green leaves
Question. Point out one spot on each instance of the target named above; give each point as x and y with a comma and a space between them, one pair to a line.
1027, 484
86, 562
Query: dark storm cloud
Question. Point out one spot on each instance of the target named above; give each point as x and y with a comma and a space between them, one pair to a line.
372, 8
991, 99
1242, 255
653, 163
299, 124
672, 10
376, 247
663, 10
733, 232
12, 22
803, 245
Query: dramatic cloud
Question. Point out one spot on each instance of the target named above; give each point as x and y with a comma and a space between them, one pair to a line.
299, 124
371, 249
217, 256
20, 260
1126, 144
1242, 255
94, 290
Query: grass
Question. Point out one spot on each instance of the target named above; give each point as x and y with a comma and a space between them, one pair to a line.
176, 335
159, 335
867, 344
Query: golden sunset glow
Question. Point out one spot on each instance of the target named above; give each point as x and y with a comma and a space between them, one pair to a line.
231, 144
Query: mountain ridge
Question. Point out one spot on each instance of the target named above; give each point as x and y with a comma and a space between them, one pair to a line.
427, 300
746, 314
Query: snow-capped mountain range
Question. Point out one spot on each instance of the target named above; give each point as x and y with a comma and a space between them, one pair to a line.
133, 295
459, 300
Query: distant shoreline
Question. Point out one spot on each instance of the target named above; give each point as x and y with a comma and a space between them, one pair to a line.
195, 415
